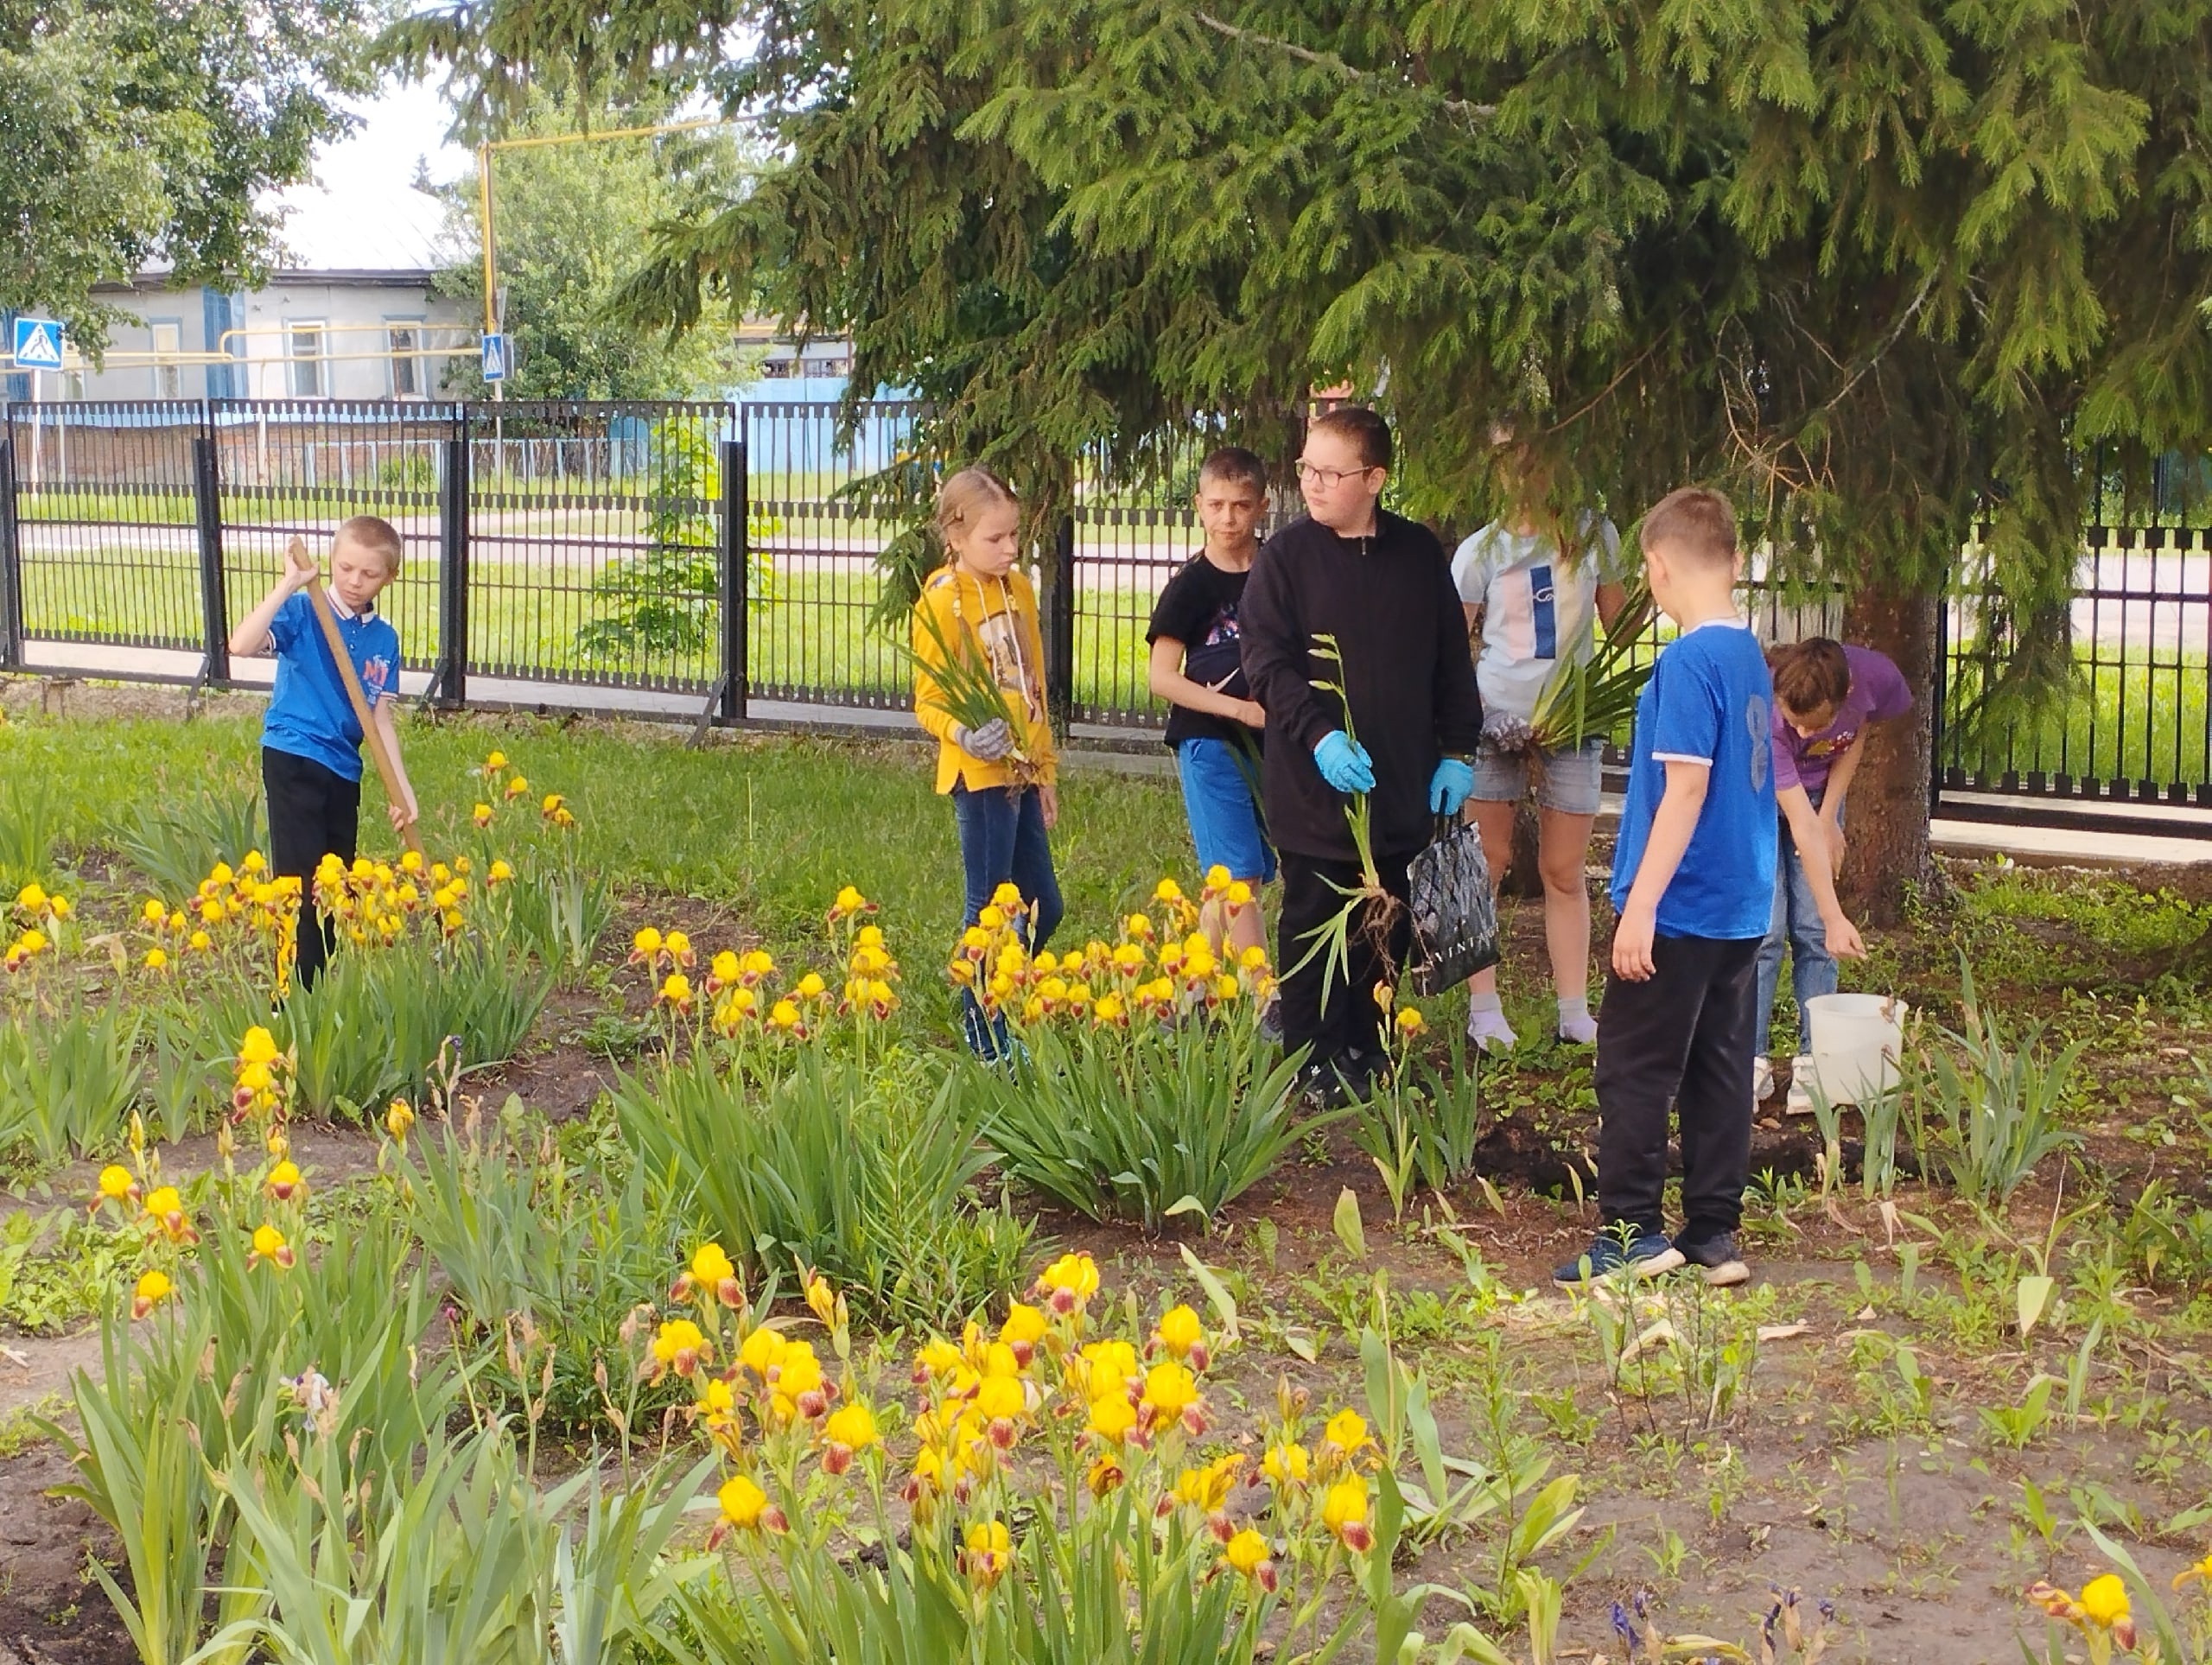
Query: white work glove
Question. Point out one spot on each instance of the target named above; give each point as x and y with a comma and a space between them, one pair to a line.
987, 743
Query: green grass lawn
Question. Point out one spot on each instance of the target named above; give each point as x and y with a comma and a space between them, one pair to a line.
2132, 722
2144, 717
775, 824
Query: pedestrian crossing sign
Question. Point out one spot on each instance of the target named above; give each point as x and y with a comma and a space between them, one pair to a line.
495, 356
38, 343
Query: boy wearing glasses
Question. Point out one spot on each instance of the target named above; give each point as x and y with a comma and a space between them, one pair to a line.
1381, 587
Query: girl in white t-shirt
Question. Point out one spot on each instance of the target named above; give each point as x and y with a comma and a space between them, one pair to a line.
1535, 607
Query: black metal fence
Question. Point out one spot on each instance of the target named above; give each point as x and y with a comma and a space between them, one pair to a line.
722, 561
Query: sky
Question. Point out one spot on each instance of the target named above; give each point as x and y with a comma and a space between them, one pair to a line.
362, 212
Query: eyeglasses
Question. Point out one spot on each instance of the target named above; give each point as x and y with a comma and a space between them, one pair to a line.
1329, 478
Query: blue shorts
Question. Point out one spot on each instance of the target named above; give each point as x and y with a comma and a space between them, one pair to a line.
1218, 799
1570, 780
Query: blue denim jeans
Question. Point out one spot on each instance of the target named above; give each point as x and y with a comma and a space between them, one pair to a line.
1001, 838
1795, 925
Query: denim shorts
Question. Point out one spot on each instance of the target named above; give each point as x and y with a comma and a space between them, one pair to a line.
1218, 799
1569, 782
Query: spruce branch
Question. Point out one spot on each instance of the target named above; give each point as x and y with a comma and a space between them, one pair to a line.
1330, 61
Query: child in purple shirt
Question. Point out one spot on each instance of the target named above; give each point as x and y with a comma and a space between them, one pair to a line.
1826, 696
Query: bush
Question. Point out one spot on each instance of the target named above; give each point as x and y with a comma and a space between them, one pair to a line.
862, 1177
1143, 1124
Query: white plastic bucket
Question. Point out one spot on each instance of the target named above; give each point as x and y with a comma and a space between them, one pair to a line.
1855, 1046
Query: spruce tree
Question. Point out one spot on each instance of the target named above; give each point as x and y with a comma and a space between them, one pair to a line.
1886, 271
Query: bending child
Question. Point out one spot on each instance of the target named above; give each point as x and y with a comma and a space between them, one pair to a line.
310, 740
998, 772
1214, 728
1692, 885
1826, 696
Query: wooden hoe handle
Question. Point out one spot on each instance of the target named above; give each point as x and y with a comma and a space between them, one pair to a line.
386, 769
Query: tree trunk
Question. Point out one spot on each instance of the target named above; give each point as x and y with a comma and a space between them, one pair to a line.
1522, 879
1886, 818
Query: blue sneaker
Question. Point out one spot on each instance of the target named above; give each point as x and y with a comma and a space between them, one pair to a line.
1646, 1256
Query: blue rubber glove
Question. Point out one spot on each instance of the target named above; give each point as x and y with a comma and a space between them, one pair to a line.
1449, 787
1344, 762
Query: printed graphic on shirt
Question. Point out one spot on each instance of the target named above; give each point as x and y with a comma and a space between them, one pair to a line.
1543, 618
1757, 718
377, 673
1001, 637
1214, 659
1831, 746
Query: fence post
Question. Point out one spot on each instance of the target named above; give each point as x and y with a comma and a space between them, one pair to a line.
11, 571
736, 587
214, 600
453, 569
1059, 626
1939, 694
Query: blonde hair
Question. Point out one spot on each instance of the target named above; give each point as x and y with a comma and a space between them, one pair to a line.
373, 532
965, 498
1695, 519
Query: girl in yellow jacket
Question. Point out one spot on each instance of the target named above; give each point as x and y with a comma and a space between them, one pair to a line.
998, 770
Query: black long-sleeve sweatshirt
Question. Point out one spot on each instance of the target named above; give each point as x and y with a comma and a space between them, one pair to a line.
1389, 601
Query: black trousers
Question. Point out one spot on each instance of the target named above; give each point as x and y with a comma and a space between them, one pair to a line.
1684, 1037
312, 812
1348, 1020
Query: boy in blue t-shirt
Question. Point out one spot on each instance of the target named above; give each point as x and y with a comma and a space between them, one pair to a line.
1694, 886
310, 740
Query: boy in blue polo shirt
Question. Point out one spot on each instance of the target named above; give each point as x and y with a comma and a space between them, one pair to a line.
310, 740
1694, 887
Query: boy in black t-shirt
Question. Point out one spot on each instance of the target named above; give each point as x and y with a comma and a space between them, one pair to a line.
1214, 728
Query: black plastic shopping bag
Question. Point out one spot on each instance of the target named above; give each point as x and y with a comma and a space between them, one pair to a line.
1454, 916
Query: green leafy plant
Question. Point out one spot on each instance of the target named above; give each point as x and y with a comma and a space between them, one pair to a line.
1368, 907
378, 1019
30, 830
436, 1567
1422, 1124
65, 1089
138, 1457
1144, 1125
557, 912
2001, 1110
542, 1262
964, 683
182, 1083
2015, 1427
1595, 697
865, 1176
664, 601
60, 1267
175, 842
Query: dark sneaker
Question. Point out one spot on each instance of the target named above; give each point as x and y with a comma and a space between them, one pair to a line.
1644, 1256
1366, 1073
1715, 1258
1321, 1087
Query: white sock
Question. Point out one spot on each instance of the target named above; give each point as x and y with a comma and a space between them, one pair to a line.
1486, 1024
1575, 1023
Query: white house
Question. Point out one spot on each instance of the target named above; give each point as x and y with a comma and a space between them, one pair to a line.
348, 314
